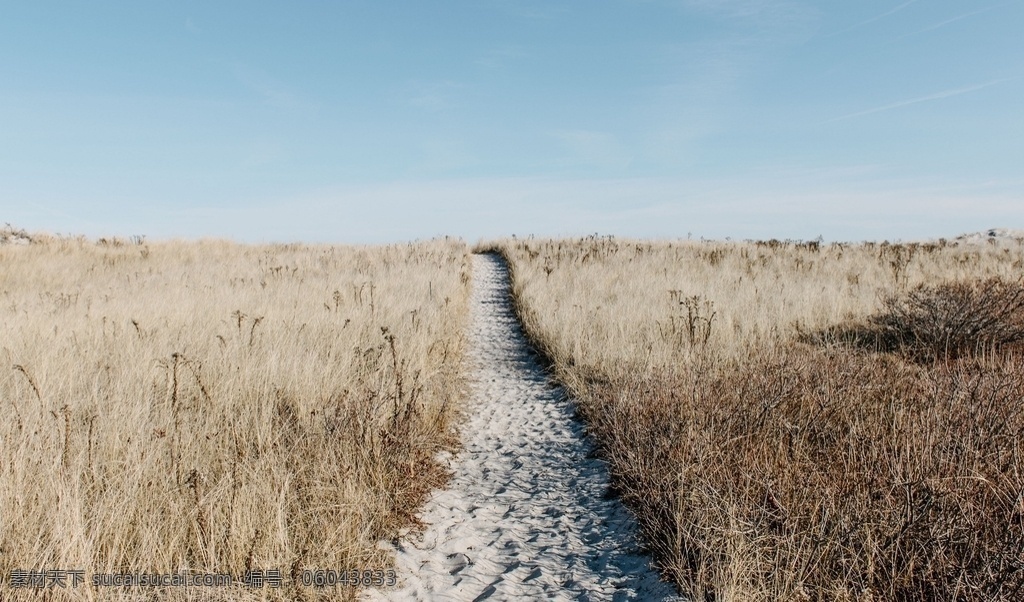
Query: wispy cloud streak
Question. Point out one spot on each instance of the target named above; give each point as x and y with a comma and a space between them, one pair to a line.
272, 91
891, 11
952, 20
886, 13
912, 101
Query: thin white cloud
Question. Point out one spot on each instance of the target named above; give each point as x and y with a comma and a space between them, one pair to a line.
775, 20
704, 77
272, 91
952, 20
885, 14
435, 96
192, 27
783, 206
529, 10
784, 203
498, 57
871, 20
912, 101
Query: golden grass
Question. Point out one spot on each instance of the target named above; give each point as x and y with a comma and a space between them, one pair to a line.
769, 454
212, 407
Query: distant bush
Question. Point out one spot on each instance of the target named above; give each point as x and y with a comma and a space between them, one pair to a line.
954, 319
11, 235
939, 322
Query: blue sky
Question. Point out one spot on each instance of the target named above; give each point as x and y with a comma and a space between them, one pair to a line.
372, 121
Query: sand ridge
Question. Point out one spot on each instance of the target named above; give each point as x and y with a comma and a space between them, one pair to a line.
526, 514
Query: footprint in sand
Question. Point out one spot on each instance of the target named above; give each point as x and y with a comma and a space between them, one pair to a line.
526, 515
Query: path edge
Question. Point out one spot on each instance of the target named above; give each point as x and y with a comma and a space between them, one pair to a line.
545, 358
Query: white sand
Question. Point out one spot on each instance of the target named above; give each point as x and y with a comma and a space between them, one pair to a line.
526, 515
998, 236
11, 236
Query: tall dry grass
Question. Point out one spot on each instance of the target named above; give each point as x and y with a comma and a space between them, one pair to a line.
799, 421
212, 407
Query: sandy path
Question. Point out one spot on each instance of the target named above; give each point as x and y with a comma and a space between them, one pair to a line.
525, 515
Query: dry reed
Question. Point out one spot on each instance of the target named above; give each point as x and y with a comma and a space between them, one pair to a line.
207, 407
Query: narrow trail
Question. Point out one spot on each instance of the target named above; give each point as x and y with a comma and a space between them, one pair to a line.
525, 515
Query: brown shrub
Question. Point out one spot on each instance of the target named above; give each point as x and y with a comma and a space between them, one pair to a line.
822, 475
954, 319
940, 322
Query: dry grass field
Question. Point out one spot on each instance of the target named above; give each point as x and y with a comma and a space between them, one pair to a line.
209, 407
798, 421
